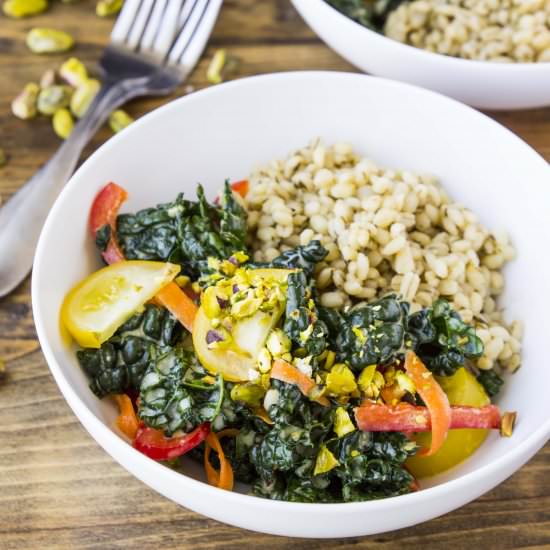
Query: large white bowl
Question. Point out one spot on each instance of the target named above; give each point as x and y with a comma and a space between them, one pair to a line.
223, 132
484, 84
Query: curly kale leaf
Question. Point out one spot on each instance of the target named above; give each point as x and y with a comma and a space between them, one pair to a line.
301, 257
173, 398
379, 333
302, 324
453, 341
371, 464
368, 334
369, 13
491, 381
120, 363
185, 232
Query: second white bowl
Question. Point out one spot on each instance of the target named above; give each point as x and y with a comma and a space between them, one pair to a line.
483, 84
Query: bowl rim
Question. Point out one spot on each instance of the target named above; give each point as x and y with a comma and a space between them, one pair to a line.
426, 55
109, 439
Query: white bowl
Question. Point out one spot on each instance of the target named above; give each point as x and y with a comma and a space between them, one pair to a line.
484, 84
222, 132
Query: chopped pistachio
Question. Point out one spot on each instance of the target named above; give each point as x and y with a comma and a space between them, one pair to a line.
47, 79
182, 280
366, 377
221, 66
63, 123
24, 105
24, 8
73, 72
44, 40
340, 380
404, 382
342, 422
325, 462
329, 361
251, 394
105, 8
83, 96
209, 302
264, 360
507, 424
246, 307
53, 98
119, 119
3, 158
278, 343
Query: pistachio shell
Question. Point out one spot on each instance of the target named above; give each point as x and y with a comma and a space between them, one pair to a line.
24, 8
43, 40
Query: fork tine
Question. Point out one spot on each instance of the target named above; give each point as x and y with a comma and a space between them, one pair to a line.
191, 42
153, 25
124, 22
142, 17
169, 26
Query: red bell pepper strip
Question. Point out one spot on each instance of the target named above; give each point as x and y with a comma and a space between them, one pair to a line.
374, 417
156, 445
435, 398
104, 212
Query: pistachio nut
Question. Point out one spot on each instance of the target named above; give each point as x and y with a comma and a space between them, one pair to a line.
63, 123
24, 8
47, 79
119, 119
73, 72
83, 96
24, 105
3, 158
43, 40
104, 8
53, 97
221, 66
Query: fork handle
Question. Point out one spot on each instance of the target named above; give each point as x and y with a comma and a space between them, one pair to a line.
24, 214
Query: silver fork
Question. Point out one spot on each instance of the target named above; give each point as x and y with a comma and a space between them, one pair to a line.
154, 46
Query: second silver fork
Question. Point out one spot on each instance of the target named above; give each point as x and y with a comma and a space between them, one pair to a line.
155, 44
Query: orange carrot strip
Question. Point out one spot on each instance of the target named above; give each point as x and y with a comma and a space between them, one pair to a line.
435, 398
224, 478
178, 304
285, 372
127, 420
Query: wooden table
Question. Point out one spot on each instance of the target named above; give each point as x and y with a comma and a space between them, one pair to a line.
58, 488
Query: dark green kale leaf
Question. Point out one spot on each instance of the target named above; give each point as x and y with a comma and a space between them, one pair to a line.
185, 232
311, 489
491, 381
452, 343
369, 334
371, 464
369, 13
379, 333
102, 237
173, 396
120, 363
302, 324
302, 257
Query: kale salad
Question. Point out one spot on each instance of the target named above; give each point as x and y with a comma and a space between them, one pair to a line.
237, 364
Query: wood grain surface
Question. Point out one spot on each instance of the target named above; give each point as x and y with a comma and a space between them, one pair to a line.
58, 488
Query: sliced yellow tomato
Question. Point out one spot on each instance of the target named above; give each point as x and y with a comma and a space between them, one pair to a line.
461, 388
238, 362
94, 309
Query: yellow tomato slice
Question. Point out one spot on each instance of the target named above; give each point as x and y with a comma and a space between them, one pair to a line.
461, 388
238, 362
94, 309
